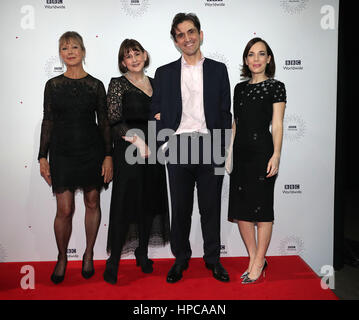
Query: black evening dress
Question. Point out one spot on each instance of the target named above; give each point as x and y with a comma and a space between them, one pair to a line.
250, 192
75, 141
139, 215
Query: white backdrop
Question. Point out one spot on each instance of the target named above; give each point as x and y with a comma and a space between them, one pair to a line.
303, 36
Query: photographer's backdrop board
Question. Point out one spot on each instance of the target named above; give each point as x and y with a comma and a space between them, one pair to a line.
303, 36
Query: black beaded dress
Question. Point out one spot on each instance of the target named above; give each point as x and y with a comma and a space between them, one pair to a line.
251, 192
139, 214
75, 141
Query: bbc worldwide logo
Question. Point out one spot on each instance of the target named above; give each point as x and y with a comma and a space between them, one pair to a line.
223, 249
71, 253
294, 127
55, 4
293, 6
292, 189
135, 8
214, 3
294, 64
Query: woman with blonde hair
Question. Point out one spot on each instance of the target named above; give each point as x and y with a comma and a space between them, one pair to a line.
79, 147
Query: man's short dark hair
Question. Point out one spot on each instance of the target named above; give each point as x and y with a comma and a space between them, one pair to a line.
181, 17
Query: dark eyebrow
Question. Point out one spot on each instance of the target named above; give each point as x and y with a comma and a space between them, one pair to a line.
262, 51
189, 30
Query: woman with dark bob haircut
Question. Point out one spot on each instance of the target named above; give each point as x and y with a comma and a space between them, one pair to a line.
139, 214
258, 102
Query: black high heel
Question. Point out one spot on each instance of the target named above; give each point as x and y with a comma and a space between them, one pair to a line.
56, 279
144, 262
89, 273
111, 271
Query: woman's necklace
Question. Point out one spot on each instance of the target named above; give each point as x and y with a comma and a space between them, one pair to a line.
142, 84
140, 81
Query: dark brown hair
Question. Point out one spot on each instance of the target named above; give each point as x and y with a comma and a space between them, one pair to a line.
270, 68
179, 18
126, 46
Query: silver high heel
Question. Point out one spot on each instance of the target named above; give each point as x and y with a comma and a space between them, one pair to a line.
261, 277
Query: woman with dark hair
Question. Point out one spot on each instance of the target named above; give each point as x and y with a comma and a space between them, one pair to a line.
139, 207
80, 149
258, 102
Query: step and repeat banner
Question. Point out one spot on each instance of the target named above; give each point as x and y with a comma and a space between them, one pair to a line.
303, 36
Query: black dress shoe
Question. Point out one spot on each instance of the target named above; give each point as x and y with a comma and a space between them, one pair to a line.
218, 271
175, 273
111, 271
143, 262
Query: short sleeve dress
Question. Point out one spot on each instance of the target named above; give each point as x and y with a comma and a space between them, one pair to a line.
75, 132
251, 192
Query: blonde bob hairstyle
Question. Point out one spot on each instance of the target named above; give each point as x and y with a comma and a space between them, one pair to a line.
74, 36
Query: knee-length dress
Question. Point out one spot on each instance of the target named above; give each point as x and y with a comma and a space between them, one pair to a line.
75, 132
139, 204
251, 192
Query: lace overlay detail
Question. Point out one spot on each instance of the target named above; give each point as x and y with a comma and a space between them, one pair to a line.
139, 214
75, 132
116, 90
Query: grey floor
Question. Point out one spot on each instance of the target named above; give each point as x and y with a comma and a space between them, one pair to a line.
347, 278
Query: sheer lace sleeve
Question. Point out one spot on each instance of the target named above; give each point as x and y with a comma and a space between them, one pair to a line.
47, 123
102, 119
115, 93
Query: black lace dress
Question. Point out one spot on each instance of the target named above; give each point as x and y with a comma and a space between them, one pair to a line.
251, 192
139, 214
76, 143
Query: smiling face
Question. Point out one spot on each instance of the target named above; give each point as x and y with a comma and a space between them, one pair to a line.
134, 60
257, 58
71, 53
188, 39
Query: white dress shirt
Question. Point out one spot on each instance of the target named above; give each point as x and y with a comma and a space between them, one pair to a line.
193, 118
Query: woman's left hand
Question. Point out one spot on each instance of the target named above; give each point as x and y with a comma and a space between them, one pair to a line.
273, 166
107, 169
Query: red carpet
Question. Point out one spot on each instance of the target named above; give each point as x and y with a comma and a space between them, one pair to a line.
288, 278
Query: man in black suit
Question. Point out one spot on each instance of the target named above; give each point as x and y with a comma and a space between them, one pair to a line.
192, 97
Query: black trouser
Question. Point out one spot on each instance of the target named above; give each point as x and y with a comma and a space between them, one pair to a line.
182, 180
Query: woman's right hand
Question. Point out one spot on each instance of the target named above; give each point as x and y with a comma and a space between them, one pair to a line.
45, 170
157, 116
144, 150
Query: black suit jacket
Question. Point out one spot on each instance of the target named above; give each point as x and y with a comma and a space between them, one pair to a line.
167, 97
